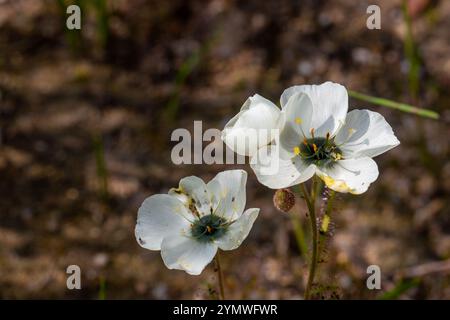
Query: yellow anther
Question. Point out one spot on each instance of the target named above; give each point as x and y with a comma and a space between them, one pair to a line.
209, 229
336, 156
305, 142
298, 120
296, 151
314, 147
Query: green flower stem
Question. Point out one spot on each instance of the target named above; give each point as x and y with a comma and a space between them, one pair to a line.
311, 201
220, 276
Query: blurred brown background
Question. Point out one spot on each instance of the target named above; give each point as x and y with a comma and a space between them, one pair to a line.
86, 118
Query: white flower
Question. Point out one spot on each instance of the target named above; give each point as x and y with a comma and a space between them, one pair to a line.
318, 136
190, 223
256, 113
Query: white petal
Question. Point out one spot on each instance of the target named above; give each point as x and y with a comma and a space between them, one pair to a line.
351, 175
159, 216
182, 252
365, 134
299, 114
277, 173
251, 127
330, 103
193, 188
238, 231
228, 193
290, 138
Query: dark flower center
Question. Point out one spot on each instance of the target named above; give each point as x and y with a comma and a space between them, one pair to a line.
322, 152
209, 227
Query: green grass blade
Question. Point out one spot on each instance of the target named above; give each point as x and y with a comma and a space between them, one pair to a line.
102, 22
394, 105
400, 288
411, 53
185, 70
102, 288
102, 170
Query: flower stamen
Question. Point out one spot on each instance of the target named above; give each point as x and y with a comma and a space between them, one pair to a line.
322, 152
209, 228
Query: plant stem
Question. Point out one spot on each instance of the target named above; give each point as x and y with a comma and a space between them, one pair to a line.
220, 276
310, 201
394, 105
305, 194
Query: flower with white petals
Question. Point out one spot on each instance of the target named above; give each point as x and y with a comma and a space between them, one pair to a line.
191, 222
319, 137
257, 115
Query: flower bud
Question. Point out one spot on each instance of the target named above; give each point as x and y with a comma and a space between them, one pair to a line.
284, 200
